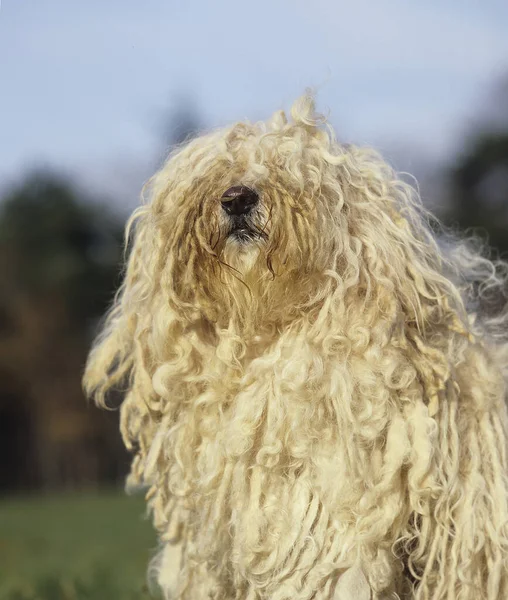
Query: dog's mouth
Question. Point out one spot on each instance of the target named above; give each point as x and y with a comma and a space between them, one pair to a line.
243, 231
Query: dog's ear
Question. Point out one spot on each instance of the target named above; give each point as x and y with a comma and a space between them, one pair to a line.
457, 538
443, 367
111, 360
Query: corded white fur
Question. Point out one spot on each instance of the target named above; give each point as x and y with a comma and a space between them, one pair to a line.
318, 413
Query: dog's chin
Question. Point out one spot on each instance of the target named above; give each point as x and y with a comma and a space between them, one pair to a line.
242, 248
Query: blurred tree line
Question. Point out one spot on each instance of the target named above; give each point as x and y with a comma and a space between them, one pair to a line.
60, 255
479, 190
477, 180
59, 262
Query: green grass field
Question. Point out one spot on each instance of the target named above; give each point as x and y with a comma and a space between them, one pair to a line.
74, 547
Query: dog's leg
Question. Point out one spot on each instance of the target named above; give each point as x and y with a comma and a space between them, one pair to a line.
167, 566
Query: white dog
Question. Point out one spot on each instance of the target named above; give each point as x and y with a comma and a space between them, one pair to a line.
315, 399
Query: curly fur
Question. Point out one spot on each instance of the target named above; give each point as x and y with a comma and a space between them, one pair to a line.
319, 412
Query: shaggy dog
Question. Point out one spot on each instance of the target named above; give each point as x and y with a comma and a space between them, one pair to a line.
316, 395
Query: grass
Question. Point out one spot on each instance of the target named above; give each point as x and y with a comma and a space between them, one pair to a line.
74, 547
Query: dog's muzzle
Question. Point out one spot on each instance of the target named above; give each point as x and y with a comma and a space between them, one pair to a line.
238, 203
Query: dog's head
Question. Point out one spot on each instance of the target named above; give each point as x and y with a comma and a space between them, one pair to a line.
257, 223
242, 221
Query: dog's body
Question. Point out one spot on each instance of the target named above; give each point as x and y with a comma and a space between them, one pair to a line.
314, 406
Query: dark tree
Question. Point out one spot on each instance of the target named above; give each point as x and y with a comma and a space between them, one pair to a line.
479, 190
59, 264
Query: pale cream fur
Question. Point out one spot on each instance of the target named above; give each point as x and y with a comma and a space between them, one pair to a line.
320, 412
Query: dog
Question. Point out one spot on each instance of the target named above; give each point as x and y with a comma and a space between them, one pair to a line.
315, 393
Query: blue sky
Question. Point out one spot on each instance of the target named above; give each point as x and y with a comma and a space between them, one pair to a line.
83, 83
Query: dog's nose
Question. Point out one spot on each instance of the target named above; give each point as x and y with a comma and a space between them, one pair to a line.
239, 200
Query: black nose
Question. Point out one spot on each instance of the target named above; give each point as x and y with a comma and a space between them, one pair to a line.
239, 200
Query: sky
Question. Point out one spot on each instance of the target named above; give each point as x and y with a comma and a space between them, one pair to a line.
84, 84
